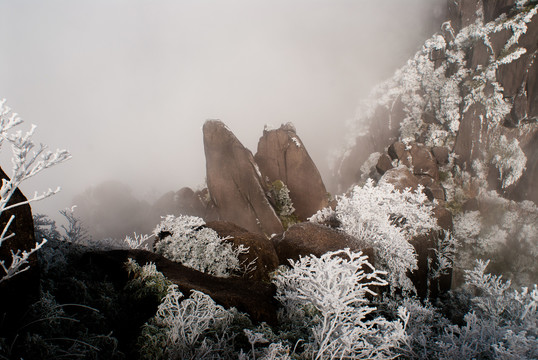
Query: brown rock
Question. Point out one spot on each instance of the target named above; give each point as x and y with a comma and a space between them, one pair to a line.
493, 9
440, 153
190, 202
463, 13
235, 183
468, 146
383, 164
253, 297
397, 151
444, 218
426, 259
401, 178
432, 188
479, 55
261, 254
423, 161
498, 40
526, 188
514, 76
282, 156
383, 130
312, 239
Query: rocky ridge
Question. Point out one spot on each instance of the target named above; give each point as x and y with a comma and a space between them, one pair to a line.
471, 89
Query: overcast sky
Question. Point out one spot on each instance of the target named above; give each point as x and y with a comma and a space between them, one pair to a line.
127, 85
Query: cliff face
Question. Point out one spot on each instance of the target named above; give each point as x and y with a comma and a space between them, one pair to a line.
473, 89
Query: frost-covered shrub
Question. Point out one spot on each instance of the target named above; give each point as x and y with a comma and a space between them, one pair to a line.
146, 280
280, 193
192, 328
329, 296
495, 321
438, 84
138, 241
509, 159
184, 239
275, 350
323, 216
386, 219
27, 162
504, 231
503, 323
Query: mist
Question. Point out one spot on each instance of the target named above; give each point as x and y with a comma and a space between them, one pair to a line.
126, 86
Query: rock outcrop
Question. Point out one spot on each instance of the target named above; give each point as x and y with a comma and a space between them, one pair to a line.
22, 226
253, 297
425, 283
416, 165
261, 258
185, 201
234, 182
23, 289
282, 156
312, 239
472, 90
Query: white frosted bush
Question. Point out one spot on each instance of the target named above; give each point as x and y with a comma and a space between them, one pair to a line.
503, 323
138, 241
330, 294
505, 231
185, 240
509, 159
27, 162
386, 219
192, 328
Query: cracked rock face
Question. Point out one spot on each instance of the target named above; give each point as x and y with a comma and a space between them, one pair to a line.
282, 156
235, 183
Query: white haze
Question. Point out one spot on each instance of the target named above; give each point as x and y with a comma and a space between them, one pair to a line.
126, 85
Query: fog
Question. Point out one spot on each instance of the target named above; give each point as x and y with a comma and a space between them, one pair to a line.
126, 86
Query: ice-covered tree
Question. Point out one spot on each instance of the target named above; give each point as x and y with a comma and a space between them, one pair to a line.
386, 219
329, 295
28, 160
188, 328
186, 240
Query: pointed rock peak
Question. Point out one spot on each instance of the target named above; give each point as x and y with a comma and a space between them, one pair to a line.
288, 127
215, 125
282, 156
234, 182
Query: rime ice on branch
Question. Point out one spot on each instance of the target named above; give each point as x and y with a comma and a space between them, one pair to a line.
27, 161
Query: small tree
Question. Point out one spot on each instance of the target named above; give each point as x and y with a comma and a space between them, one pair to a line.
27, 162
330, 294
184, 239
385, 219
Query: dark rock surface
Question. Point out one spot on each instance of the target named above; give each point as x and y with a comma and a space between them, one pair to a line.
282, 156
383, 164
384, 130
486, 106
312, 239
440, 153
526, 188
23, 289
261, 253
426, 258
234, 182
253, 297
401, 178
423, 161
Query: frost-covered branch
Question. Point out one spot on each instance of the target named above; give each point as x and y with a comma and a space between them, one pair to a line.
27, 162
342, 325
